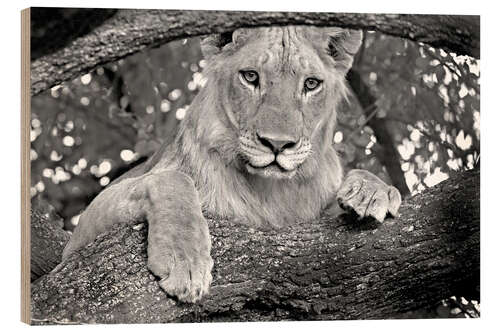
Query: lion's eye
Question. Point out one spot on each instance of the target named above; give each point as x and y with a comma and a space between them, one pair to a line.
251, 77
311, 84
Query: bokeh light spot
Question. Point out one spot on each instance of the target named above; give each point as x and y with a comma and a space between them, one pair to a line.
127, 155
339, 136
86, 78
175, 94
104, 181
104, 167
85, 101
82, 163
180, 113
165, 106
68, 141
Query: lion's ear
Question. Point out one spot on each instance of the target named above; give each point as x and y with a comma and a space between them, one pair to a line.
214, 44
343, 44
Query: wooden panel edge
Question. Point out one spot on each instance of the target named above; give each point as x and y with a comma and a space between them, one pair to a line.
25, 166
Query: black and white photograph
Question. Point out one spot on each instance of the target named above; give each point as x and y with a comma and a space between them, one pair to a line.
193, 166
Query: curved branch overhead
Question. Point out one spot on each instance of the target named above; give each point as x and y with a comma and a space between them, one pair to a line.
126, 31
324, 269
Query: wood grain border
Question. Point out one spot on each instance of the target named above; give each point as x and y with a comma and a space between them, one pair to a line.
25, 165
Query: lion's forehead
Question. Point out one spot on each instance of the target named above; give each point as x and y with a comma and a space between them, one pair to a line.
283, 49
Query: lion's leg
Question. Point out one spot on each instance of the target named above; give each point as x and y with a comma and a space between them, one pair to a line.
368, 195
178, 237
123, 202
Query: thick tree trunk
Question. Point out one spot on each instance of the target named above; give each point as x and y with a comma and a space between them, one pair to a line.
123, 32
324, 269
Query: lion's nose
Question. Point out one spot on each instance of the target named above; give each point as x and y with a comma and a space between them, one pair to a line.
277, 143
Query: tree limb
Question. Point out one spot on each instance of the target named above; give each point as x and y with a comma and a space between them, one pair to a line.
385, 151
127, 31
47, 239
325, 269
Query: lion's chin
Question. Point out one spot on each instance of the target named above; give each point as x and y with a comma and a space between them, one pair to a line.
271, 171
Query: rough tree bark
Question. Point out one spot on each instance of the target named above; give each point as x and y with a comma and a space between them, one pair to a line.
47, 239
124, 32
325, 269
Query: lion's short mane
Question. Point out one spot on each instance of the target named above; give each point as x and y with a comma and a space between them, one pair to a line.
204, 148
207, 143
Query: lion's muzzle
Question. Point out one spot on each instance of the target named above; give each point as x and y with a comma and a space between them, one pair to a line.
272, 156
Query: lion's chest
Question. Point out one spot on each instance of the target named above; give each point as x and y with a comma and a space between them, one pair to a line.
257, 204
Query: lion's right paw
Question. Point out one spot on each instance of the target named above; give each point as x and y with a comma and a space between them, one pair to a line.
187, 279
368, 195
187, 282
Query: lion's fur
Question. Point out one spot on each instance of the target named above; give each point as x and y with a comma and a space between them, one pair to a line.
206, 145
223, 117
220, 161
260, 153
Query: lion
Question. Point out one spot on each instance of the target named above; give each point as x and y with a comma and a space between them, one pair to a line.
255, 147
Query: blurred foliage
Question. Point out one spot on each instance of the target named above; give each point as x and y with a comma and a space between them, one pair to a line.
452, 307
430, 102
86, 132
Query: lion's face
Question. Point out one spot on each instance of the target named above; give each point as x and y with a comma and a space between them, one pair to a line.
282, 85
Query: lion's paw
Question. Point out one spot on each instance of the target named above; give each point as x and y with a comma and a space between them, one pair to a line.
368, 195
188, 284
185, 277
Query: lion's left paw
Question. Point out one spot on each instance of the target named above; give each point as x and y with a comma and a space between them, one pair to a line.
368, 195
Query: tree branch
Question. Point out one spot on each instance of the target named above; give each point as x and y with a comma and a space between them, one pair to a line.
47, 239
385, 151
324, 269
128, 31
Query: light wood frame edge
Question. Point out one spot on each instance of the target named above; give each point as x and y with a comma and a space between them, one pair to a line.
25, 166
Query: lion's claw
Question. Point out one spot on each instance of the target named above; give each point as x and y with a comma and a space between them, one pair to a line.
368, 195
188, 284
187, 281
